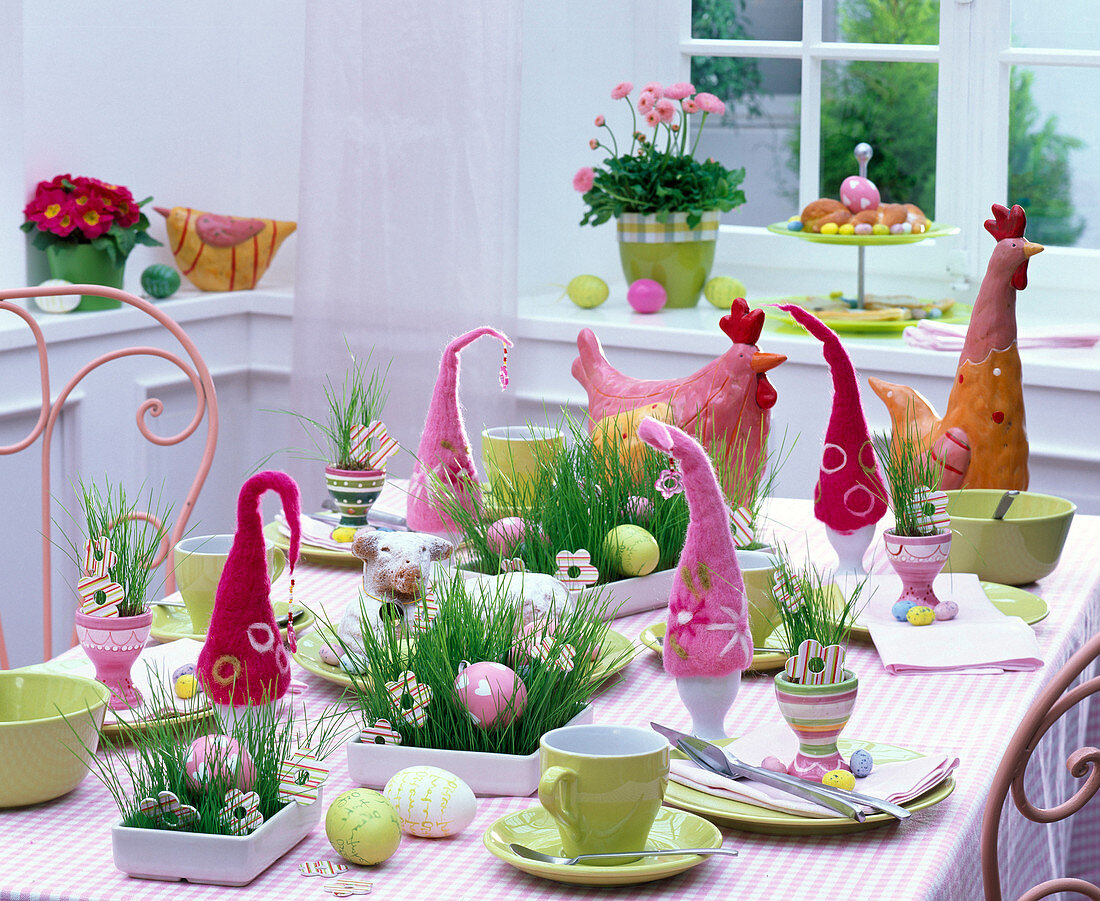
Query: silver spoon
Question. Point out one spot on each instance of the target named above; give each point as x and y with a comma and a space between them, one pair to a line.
532, 854
1004, 503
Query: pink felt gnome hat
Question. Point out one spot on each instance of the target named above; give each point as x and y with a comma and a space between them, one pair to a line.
850, 493
708, 615
243, 660
444, 451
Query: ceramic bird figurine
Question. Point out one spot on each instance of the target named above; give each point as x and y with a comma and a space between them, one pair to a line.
981, 440
223, 253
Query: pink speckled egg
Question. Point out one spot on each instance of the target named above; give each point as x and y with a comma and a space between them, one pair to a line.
218, 757
506, 534
492, 693
329, 655
859, 194
640, 507
646, 295
774, 764
946, 610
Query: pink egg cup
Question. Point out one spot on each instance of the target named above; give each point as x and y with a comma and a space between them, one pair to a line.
918, 559
113, 643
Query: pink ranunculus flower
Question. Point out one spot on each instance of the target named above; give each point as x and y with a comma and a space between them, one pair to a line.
593, 143
600, 120
654, 87
647, 101
666, 109
679, 91
708, 103
621, 90
584, 178
690, 106
653, 118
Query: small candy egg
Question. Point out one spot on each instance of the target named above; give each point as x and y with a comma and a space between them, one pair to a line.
646, 296
188, 669
506, 534
946, 610
919, 228
920, 616
343, 534
363, 827
430, 802
861, 763
491, 692
722, 290
795, 225
186, 687
859, 193
330, 655
641, 507
879, 229
864, 228
830, 228
847, 229
634, 551
794, 219
587, 291
935, 313
218, 757
839, 779
774, 764
900, 609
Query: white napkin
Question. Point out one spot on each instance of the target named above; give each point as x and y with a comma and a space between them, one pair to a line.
980, 639
898, 782
933, 335
316, 529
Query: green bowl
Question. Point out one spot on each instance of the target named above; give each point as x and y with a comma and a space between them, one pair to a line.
49, 731
1022, 547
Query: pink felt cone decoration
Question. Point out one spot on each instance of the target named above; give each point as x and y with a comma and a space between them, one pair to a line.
444, 451
708, 623
243, 660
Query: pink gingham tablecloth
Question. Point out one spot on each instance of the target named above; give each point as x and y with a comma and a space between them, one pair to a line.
62, 850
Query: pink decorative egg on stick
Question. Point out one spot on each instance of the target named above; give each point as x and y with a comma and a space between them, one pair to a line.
492, 693
858, 192
646, 296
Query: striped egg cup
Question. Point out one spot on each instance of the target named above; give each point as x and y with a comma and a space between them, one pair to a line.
817, 714
354, 492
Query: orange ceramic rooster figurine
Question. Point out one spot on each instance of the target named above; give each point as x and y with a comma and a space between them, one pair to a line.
981, 440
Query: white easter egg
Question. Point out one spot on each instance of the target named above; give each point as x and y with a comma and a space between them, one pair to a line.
430, 802
57, 303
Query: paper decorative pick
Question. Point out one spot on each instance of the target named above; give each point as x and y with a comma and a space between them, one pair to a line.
512, 565
380, 732
791, 599
424, 613
362, 436
420, 696
669, 482
323, 868
581, 561
543, 649
167, 810
798, 667
300, 776
742, 527
241, 813
347, 885
930, 508
97, 579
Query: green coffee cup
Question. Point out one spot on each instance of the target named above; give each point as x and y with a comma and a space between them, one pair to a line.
603, 785
512, 455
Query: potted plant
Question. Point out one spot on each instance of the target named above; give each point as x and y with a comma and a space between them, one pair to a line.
87, 229
918, 545
116, 563
815, 692
665, 201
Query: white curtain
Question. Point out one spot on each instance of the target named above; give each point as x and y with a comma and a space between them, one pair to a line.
409, 186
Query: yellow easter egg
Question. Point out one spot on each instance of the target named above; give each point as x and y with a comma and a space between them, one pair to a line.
723, 290
186, 687
431, 802
847, 229
879, 229
345, 534
363, 827
634, 551
921, 616
839, 779
587, 291
830, 228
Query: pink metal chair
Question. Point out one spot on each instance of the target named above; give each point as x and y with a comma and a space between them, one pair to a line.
1056, 699
206, 406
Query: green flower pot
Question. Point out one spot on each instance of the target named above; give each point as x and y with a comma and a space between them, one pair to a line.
678, 257
83, 264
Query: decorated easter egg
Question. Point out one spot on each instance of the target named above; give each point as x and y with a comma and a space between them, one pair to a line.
880, 229
641, 507
634, 551
343, 534
186, 687
506, 534
920, 616
188, 669
839, 779
329, 655
864, 228
774, 764
219, 758
794, 225
160, 280
900, 609
861, 763
430, 802
363, 827
646, 296
57, 303
587, 291
722, 290
946, 610
492, 693
859, 194
847, 229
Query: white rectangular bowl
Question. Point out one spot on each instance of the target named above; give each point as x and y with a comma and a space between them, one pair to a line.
372, 765
168, 855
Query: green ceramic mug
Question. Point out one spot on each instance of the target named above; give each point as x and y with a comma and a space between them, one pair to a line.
603, 785
512, 455
199, 562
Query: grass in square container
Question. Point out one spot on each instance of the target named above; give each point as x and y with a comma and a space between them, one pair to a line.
470, 630
825, 614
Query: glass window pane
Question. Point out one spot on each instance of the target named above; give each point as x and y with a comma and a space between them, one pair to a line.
757, 132
891, 106
1054, 153
881, 21
1075, 27
758, 20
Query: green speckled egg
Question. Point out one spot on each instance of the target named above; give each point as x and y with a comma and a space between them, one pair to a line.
160, 281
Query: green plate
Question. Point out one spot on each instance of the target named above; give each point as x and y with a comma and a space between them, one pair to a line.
959, 314
170, 623
310, 552
750, 818
1011, 601
617, 651
653, 638
536, 829
935, 230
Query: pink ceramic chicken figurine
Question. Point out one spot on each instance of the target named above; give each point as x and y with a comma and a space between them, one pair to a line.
729, 398
850, 496
707, 642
